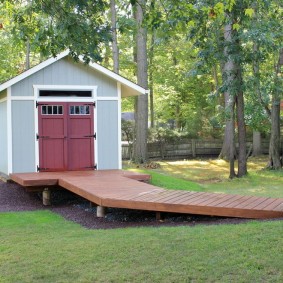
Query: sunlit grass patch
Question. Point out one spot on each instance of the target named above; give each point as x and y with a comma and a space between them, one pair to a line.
211, 175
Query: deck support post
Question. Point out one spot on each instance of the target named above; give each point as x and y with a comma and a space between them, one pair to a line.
46, 197
159, 216
100, 211
91, 204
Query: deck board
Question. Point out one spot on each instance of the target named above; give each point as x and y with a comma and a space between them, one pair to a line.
123, 189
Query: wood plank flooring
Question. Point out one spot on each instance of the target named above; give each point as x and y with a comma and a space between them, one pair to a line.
123, 189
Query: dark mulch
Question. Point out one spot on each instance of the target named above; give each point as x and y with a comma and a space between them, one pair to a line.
15, 198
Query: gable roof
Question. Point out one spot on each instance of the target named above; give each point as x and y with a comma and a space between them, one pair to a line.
128, 88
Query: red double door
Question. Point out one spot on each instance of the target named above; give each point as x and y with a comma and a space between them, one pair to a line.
66, 136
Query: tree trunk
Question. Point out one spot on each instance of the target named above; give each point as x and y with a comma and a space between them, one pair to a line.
215, 85
257, 150
107, 55
256, 72
115, 49
228, 148
229, 129
151, 68
242, 158
274, 145
240, 104
141, 103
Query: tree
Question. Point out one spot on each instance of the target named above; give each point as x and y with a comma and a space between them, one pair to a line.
265, 86
141, 103
274, 145
115, 49
75, 25
226, 49
229, 79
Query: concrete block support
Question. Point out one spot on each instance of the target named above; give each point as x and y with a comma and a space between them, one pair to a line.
46, 197
100, 211
159, 216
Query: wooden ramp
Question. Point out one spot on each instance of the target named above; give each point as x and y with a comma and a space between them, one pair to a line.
122, 189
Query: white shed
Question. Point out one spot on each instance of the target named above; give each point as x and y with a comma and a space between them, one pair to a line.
62, 115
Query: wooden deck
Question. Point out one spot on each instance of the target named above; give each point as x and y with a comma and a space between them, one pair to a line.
122, 189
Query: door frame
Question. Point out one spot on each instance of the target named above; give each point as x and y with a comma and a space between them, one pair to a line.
93, 98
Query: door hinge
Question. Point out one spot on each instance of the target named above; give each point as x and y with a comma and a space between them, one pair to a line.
41, 169
92, 167
91, 136
41, 137
38, 103
92, 104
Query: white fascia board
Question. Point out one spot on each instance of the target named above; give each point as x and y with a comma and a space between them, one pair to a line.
33, 70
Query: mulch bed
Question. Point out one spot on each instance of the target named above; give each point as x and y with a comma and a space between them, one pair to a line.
13, 197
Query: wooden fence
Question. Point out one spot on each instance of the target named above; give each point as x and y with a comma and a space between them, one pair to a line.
189, 149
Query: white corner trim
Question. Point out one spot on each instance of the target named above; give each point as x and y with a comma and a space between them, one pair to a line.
9, 131
95, 124
33, 70
119, 142
36, 142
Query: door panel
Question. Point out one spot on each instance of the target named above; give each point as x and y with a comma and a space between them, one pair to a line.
80, 157
66, 136
52, 158
80, 137
52, 132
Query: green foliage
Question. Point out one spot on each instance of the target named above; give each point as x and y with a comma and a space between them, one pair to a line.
164, 135
12, 48
127, 130
53, 26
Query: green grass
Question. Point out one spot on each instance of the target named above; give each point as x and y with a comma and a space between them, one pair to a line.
211, 175
170, 182
43, 247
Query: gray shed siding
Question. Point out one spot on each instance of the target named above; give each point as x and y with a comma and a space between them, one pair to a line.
23, 136
3, 138
62, 72
67, 72
107, 135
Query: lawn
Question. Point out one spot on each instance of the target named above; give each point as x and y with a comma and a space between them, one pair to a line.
211, 175
41, 246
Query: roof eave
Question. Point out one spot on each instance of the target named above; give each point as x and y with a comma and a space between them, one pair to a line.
128, 88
